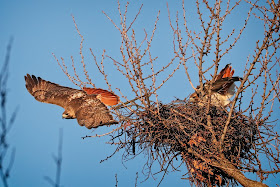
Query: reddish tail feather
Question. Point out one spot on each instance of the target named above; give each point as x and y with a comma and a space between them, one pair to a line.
228, 72
106, 97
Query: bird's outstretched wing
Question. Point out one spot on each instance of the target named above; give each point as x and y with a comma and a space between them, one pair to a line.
106, 97
48, 92
222, 86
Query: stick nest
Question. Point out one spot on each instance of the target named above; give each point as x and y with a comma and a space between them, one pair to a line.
180, 129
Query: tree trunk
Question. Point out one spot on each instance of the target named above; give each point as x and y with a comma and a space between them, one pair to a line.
232, 171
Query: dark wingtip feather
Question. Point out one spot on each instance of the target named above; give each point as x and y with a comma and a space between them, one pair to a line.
28, 83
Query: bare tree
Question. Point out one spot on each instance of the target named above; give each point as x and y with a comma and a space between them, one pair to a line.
218, 145
6, 122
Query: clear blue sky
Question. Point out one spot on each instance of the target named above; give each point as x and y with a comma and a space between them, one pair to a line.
41, 28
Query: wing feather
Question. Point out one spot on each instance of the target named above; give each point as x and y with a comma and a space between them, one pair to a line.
224, 80
222, 85
48, 92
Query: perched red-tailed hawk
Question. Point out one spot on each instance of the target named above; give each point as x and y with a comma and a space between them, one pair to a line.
88, 105
223, 88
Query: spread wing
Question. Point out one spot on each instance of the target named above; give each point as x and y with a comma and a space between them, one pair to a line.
222, 85
48, 92
106, 97
92, 113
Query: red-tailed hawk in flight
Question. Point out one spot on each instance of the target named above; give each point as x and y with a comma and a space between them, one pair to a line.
87, 105
223, 88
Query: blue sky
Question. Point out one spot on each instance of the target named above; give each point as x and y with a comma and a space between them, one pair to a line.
40, 28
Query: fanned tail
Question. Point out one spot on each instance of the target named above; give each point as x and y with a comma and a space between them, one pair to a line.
228, 71
106, 97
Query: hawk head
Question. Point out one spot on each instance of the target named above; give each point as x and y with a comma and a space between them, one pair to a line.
68, 115
194, 97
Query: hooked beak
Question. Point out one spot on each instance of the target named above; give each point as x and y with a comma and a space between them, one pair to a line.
65, 116
193, 98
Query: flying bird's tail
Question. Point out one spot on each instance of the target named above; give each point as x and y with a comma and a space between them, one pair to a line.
106, 97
